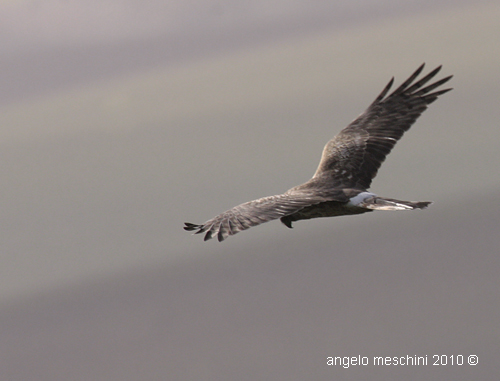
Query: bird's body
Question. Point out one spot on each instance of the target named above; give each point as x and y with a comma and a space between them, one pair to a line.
348, 164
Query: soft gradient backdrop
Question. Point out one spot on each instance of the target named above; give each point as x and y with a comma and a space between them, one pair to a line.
120, 120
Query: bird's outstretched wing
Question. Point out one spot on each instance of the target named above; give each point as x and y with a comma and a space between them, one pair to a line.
254, 213
354, 156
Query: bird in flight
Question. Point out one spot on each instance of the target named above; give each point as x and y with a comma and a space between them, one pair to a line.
348, 165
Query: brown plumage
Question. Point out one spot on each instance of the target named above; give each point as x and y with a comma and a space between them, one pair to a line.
348, 165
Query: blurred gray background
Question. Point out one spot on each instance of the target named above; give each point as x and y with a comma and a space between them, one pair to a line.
120, 120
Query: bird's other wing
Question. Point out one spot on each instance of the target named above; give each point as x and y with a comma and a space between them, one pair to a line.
354, 156
254, 213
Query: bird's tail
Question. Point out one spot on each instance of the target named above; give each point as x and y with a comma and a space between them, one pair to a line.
380, 203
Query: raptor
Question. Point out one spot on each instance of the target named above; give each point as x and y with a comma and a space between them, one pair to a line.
348, 165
